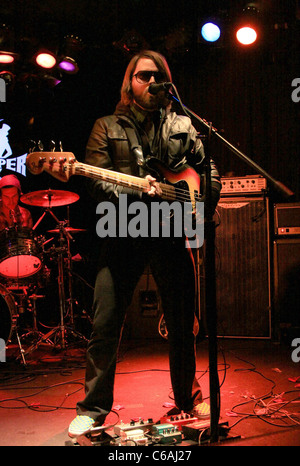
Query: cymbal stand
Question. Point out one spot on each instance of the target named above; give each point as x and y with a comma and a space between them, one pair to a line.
15, 331
70, 287
61, 289
64, 235
61, 329
22, 351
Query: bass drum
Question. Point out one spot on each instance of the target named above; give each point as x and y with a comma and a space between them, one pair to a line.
7, 313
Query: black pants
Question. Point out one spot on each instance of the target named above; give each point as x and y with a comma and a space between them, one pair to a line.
173, 271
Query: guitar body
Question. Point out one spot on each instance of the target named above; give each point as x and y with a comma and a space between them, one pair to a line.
182, 184
183, 179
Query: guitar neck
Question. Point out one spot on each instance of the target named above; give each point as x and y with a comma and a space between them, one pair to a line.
62, 165
121, 179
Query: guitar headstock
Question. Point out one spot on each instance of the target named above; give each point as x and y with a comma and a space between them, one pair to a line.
61, 165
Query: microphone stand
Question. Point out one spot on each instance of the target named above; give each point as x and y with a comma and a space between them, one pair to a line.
210, 273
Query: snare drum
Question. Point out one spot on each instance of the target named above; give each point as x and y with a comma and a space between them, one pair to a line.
19, 255
7, 313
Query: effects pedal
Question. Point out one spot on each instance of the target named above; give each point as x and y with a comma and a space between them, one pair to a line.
199, 431
133, 437
180, 420
133, 425
166, 433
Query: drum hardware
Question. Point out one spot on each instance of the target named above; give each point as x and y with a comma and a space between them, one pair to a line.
47, 199
41, 338
20, 260
22, 352
8, 319
35, 331
61, 254
65, 237
62, 329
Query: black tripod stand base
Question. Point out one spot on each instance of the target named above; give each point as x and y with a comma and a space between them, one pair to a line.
57, 338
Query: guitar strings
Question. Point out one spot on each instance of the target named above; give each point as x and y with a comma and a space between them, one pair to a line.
172, 193
169, 191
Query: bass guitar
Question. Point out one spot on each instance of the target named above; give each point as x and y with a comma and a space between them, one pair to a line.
182, 184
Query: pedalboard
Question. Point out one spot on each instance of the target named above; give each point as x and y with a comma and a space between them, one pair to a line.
170, 430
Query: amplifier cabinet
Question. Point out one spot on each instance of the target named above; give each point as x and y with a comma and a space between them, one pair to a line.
286, 282
242, 252
287, 219
144, 313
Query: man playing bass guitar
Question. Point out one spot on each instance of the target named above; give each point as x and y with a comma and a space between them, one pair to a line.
143, 125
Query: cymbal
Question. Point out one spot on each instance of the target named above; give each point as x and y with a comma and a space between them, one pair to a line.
49, 198
68, 229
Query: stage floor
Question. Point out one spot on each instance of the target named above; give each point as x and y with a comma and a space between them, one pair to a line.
259, 386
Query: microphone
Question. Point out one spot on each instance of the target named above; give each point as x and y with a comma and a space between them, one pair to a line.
155, 88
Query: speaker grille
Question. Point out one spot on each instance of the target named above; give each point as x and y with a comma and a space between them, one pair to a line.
144, 312
286, 281
243, 268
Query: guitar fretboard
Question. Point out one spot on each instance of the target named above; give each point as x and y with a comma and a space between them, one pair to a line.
129, 181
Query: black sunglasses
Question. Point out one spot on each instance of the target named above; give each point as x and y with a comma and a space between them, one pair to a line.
144, 77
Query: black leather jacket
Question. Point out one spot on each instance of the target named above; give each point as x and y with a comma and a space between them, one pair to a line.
175, 143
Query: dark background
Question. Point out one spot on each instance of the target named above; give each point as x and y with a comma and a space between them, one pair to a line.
244, 92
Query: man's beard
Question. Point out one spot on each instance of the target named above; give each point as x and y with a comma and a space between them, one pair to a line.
151, 102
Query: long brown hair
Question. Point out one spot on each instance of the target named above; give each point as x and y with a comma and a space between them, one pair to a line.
157, 58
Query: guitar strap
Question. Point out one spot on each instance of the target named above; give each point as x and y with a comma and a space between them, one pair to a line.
135, 144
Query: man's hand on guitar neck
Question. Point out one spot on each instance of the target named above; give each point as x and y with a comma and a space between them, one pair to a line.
155, 189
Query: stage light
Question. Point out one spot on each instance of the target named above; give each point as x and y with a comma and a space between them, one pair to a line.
246, 35
51, 79
68, 65
8, 77
131, 43
69, 54
210, 32
7, 52
45, 59
247, 28
6, 57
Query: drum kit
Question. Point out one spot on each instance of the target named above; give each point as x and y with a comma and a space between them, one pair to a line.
23, 273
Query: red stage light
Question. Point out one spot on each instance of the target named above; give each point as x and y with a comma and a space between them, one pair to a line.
246, 35
248, 25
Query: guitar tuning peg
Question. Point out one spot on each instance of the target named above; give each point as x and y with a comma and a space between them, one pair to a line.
52, 146
40, 145
60, 146
32, 146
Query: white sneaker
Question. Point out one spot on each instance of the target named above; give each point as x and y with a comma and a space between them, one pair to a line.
201, 410
80, 425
